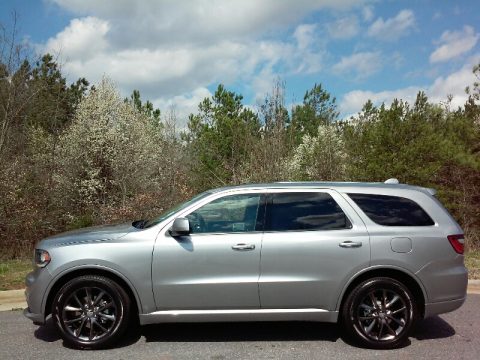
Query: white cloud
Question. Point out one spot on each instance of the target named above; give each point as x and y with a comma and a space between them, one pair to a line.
353, 101
304, 34
367, 13
344, 28
455, 43
392, 28
169, 48
362, 64
170, 70
183, 105
81, 39
146, 23
397, 60
453, 84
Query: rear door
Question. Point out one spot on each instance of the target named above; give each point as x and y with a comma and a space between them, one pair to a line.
313, 243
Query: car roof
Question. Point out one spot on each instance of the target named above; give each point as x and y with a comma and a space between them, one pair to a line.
325, 184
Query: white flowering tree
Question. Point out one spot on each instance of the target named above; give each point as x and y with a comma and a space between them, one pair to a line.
321, 157
110, 151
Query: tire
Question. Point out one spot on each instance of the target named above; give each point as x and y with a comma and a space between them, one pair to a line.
379, 313
91, 312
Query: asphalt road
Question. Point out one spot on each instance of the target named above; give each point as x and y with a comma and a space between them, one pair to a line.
450, 336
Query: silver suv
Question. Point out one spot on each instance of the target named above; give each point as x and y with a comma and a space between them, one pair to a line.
374, 257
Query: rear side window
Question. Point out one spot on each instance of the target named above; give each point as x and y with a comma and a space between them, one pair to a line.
304, 211
392, 210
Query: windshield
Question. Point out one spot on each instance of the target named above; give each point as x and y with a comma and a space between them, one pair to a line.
175, 209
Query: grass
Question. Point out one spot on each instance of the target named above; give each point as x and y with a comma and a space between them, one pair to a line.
13, 272
472, 262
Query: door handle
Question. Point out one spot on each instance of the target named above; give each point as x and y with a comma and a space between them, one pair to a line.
243, 247
350, 244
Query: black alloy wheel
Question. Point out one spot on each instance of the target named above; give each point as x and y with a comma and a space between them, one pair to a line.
379, 313
91, 312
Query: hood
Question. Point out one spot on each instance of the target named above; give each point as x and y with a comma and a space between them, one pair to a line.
86, 235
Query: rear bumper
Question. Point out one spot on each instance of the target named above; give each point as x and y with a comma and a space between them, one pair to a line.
443, 306
38, 319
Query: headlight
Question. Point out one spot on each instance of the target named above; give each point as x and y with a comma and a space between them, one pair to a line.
42, 258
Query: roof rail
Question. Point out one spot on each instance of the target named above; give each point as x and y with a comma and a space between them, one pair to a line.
392, 181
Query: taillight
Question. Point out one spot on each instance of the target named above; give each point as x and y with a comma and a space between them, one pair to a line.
457, 242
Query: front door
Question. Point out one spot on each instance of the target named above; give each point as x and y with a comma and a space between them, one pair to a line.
217, 265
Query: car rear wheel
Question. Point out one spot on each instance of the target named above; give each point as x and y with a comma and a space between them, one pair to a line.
91, 312
379, 313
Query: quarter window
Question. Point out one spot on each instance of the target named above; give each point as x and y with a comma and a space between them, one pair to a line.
392, 210
229, 214
305, 211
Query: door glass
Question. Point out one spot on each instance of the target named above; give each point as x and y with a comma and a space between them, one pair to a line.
229, 214
305, 211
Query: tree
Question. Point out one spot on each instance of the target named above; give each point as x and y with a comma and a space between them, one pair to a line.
145, 108
267, 157
220, 138
14, 92
321, 157
318, 108
109, 152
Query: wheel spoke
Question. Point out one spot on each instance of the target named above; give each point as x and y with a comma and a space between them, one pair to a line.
107, 316
380, 331
73, 320
106, 306
78, 331
90, 335
384, 299
399, 310
369, 329
71, 308
99, 297
393, 301
99, 325
390, 329
77, 300
366, 307
374, 300
363, 318
89, 296
396, 320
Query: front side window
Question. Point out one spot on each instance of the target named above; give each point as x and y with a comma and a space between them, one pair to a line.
229, 214
392, 210
305, 211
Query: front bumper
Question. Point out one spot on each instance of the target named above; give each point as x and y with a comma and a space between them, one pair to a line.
38, 319
36, 284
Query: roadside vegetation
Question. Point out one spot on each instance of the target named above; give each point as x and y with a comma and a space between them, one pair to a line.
472, 262
13, 272
78, 154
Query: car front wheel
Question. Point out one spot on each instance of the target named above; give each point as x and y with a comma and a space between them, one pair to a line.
91, 312
379, 313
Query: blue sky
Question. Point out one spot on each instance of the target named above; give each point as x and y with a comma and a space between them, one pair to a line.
176, 52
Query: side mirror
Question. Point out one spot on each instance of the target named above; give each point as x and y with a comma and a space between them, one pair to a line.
180, 227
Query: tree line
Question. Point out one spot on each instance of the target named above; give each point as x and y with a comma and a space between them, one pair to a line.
74, 155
